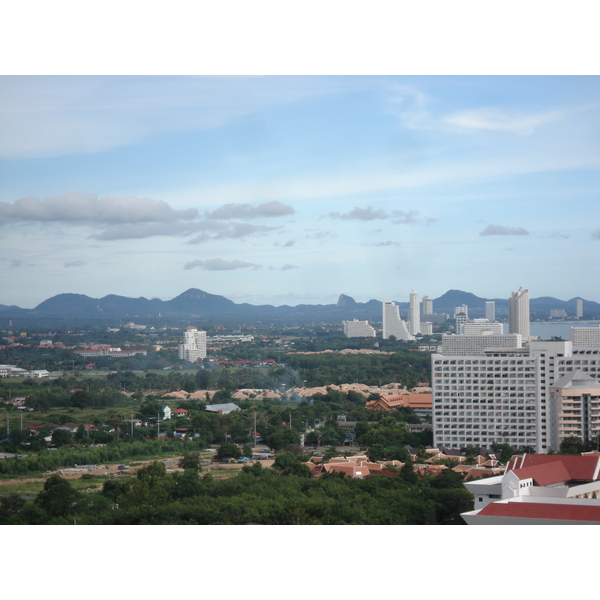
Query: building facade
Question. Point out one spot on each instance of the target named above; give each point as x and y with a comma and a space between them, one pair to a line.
539, 490
486, 396
518, 313
193, 347
393, 325
357, 328
490, 310
574, 407
472, 345
481, 327
414, 320
427, 305
583, 337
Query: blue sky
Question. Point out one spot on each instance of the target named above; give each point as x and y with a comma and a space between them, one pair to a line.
296, 189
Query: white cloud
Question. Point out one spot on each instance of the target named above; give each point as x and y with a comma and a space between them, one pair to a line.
405, 216
78, 207
229, 232
218, 264
410, 106
501, 230
246, 211
361, 214
497, 120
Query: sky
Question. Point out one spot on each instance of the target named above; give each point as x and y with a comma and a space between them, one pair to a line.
296, 189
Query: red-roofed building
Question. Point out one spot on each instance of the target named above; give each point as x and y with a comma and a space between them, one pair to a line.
539, 488
420, 403
181, 412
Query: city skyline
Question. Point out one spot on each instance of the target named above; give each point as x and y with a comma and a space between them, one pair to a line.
294, 190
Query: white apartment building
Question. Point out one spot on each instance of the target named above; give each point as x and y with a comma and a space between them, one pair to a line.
393, 324
481, 327
585, 336
358, 328
518, 313
501, 395
414, 319
426, 328
579, 308
193, 347
461, 318
490, 310
461, 310
574, 407
457, 345
427, 305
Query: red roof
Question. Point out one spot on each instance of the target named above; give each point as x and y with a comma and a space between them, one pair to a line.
546, 469
530, 510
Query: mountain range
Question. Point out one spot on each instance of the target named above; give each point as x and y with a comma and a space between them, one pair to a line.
198, 305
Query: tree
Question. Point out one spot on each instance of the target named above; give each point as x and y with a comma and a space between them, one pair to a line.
187, 484
152, 473
190, 460
407, 473
57, 498
80, 399
228, 451
247, 450
61, 437
571, 445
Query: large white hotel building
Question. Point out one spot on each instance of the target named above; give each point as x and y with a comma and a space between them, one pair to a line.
193, 347
487, 392
489, 387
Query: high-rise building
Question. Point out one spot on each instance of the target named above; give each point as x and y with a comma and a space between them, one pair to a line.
478, 343
490, 310
357, 328
575, 407
464, 310
427, 305
579, 308
426, 328
583, 337
193, 347
414, 320
461, 319
393, 324
483, 396
518, 313
481, 327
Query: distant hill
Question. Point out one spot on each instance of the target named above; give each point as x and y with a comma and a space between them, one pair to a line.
195, 304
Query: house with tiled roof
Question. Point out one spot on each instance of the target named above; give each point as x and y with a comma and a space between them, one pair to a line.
357, 466
420, 403
180, 412
539, 489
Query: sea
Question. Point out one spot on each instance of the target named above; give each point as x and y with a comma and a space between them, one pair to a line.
562, 329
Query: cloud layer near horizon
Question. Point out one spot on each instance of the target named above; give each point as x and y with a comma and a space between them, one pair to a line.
129, 217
